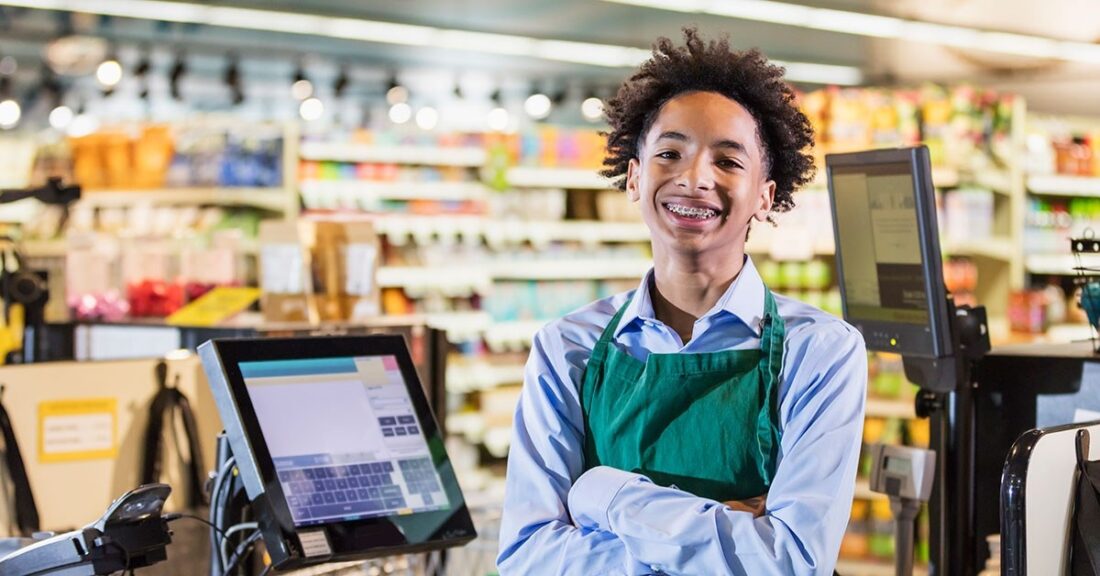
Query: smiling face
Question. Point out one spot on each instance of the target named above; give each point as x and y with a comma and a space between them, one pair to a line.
700, 179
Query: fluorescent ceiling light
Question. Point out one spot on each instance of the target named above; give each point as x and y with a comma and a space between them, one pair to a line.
606, 55
882, 27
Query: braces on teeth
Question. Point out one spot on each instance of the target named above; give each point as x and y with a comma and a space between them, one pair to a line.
691, 212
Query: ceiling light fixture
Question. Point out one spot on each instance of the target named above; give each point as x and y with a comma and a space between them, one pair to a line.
427, 117
538, 106
61, 117
592, 109
400, 113
109, 73
875, 26
10, 113
498, 119
605, 55
311, 109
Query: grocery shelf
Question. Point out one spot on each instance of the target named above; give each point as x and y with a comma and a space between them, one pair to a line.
1057, 185
884, 408
996, 249
466, 156
275, 199
504, 230
43, 248
443, 278
849, 567
368, 190
999, 181
863, 491
515, 335
571, 269
1059, 264
569, 178
481, 375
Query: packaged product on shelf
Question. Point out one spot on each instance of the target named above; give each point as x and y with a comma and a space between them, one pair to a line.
344, 261
880, 541
150, 271
1027, 311
92, 288
969, 215
209, 263
284, 278
855, 543
17, 159
152, 157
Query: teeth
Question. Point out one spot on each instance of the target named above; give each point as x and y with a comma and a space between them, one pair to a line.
691, 212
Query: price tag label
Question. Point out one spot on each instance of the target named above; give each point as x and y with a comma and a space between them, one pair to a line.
214, 307
81, 429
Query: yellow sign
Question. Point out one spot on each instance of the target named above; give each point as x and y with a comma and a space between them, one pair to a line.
214, 307
83, 429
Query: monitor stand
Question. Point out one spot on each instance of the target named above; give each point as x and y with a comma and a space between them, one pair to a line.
946, 398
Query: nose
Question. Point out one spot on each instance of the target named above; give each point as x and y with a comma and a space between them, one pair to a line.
697, 175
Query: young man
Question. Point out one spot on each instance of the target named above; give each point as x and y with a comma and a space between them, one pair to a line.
699, 424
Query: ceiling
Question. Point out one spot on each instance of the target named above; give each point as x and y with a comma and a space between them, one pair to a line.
1051, 86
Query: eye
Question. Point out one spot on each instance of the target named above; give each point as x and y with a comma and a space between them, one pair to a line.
728, 164
669, 155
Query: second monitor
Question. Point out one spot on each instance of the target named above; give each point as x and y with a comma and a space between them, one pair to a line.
888, 251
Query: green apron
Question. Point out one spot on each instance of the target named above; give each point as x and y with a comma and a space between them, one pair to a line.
707, 423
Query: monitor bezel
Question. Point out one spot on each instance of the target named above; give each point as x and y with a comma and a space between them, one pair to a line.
350, 539
936, 344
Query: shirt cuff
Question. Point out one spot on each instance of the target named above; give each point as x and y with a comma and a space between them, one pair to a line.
591, 496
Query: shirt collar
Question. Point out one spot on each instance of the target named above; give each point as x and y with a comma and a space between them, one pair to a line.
744, 300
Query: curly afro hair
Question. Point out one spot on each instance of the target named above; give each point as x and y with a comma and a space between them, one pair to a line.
745, 77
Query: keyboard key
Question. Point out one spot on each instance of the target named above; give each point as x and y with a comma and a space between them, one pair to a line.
363, 493
342, 484
387, 467
392, 503
302, 513
413, 430
427, 499
316, 500
387, 432
375, 493
292, 501
340, 496
286, 476
400, 431
330, 484
406, 420
318, 485
391, 492
375, 467
356, 469
329, 498
387, 421
352, 496
309, 473
353, 482
386, 479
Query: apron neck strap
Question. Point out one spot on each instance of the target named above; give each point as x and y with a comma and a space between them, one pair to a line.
609, 332
772, 336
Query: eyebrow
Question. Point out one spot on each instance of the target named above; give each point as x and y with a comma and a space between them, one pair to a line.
680, 137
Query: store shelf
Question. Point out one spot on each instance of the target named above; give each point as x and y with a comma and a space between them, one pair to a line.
1055, 185
446, 279
863, 491
568, 178
512, 336
995, 249
361, 191
594, 269
482, 376
872, 568
508, 231
1058, 264
883, 408
275, 199
43, 248
401, 154
999, 181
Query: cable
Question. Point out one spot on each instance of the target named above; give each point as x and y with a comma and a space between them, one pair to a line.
177, 515
231, 531
241, 551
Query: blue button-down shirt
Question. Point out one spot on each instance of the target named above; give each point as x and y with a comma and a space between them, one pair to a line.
606, 521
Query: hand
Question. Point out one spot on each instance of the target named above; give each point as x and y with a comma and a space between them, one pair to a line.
755, 505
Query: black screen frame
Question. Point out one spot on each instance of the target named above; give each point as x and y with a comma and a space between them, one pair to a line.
349, 539
913, 339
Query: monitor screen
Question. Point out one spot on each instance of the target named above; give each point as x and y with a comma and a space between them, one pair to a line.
344, 437
336, 447
888, 254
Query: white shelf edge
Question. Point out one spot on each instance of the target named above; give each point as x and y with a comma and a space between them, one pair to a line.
462, 156
995, 248
883, 408
1056, 264
863, 491
1059, 185
275, 199
443, 191
569, 178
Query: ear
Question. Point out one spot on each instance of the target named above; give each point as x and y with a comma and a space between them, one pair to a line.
766, 198
632, 171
